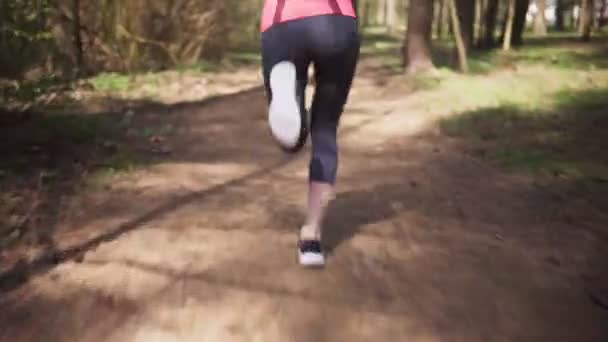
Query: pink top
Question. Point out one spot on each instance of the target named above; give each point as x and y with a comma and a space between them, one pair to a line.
279, 11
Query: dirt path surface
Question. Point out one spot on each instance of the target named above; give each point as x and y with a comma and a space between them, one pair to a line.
427, 244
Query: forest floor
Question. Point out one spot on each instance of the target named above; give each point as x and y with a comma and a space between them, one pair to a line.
156, 207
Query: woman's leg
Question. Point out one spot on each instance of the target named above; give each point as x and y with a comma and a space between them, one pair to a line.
335, 58
285, 67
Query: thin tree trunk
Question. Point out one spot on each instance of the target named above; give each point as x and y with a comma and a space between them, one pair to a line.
579, 17
580, 20
445, 19
587, 12
436, 15
479, 9
519, 22
540, 24
458, 37
417, 49
466, 17
366, 8
603, 13
560, 10
404, 11
381, 12
78, 38
506, 41
490, 23
439, 19
391, 15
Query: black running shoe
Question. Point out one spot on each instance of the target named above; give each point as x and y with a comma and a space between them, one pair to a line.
310, 253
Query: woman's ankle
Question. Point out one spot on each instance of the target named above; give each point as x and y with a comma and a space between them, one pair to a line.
310, 232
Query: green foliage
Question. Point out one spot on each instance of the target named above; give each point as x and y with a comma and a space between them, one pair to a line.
113, 82
131, 35
24, 34
378, 42
143, 34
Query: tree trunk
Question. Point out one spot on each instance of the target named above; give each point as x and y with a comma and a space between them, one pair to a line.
438, 21
506, 41
574, 23
490, 23
458, 37
78, 38
418, 38
443, 27
587, 11
381, 12
366, 12
405, 9
479, 9
519, 22
391, 15
540, 23
580, 20
603, 13
560, 9
466, 18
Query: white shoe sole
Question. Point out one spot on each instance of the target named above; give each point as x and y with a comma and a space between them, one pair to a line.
284, 114
311, 259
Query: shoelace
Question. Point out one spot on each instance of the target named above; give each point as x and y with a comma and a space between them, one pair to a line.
310, 246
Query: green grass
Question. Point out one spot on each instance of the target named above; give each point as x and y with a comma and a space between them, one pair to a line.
111, 82
563, 137
546, 116
541, 116
560, 50
573, 57
376, 42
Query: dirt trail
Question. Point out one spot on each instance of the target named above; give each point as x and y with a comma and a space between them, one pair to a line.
427, 244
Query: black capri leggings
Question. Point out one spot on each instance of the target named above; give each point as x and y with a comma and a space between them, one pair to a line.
331, 43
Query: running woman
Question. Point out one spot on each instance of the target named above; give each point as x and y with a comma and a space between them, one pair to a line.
295, 34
